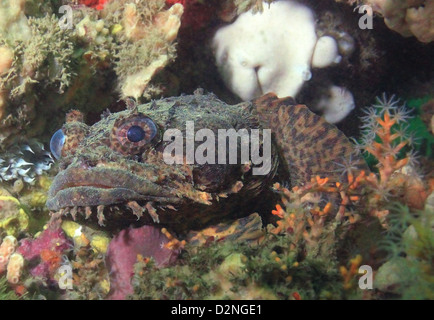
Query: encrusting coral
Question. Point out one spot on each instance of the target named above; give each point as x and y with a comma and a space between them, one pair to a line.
13, 218
45, 252
145, 40
7, 248
11, 261
15, 268
408, 18
47, 65
122, 254
409, 244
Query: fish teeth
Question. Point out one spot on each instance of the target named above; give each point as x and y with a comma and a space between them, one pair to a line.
152, 212
136, 208
73, 213
56, 214
80, 210
87, 212
100, 215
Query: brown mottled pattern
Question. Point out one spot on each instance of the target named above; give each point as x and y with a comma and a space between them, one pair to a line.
308, 145
245, 229
103, 174
75, 132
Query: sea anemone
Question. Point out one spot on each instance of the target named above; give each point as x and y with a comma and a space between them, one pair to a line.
25, 161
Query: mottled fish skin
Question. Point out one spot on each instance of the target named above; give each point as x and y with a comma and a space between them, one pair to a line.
123, 181
307, 144
96, 171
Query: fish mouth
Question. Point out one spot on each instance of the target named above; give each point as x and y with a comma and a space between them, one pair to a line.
99, 186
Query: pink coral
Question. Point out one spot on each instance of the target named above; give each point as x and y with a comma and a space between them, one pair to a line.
122, 253
47, 249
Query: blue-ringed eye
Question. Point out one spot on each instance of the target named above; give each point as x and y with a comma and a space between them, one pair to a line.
56, 143
130, 135
135, 134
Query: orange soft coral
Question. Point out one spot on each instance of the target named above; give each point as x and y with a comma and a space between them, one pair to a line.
350, 274
385, 136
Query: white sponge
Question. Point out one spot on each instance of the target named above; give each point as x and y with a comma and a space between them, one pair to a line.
267, 52
337, 104
326, 52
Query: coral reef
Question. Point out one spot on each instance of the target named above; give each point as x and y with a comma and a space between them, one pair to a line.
123, 253
337, 105
51, 63
90, 275
11, 261
386, 136
408, 18
197, 14
407, 273
325, 230
120, 223
13, 20
45, 252
42, 54
144, 39
15, 268
237, 270
96, 4
230, 9
84, 236
7, 248
322, 233
13, 218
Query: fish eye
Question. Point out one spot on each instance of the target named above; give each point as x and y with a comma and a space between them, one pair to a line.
56, 143
135, 134
65, 140
132, 134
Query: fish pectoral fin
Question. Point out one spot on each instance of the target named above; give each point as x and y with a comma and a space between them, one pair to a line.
246, 229
308, 145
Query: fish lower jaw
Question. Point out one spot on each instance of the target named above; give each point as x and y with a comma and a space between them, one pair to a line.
119, 203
